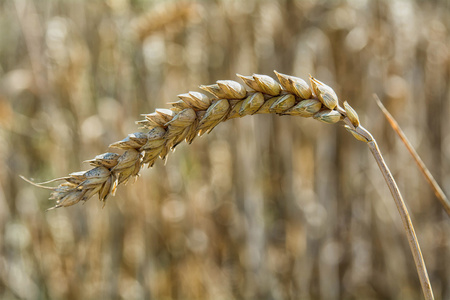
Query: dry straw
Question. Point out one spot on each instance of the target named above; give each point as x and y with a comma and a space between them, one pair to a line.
195, 114
421, 165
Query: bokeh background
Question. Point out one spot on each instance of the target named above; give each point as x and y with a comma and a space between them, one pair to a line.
264, 207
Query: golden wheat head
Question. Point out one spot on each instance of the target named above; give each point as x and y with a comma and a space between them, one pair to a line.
195, 114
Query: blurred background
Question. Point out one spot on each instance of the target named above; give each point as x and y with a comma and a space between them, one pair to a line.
264, 207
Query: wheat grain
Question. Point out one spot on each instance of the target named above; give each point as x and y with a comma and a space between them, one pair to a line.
195, 114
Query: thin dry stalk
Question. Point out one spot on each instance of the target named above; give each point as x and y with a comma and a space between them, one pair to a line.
428, 176
196, 114
406, 219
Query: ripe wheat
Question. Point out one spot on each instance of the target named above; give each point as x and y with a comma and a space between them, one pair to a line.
196, 114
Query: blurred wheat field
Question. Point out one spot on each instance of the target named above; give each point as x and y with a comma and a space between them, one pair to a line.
264, 207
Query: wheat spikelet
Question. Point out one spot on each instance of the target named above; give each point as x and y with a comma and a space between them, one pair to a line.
195, 114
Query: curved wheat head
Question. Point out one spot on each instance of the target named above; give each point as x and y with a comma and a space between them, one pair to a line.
196, 114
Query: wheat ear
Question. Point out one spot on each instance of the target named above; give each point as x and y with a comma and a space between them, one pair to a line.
195, 114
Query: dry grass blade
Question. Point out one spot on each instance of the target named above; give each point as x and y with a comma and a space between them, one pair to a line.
196, 114
423, 168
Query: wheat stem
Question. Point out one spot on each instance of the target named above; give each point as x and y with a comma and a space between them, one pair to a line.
364, 135
406, 219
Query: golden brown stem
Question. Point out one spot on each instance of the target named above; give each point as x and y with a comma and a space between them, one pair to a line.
432, 182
